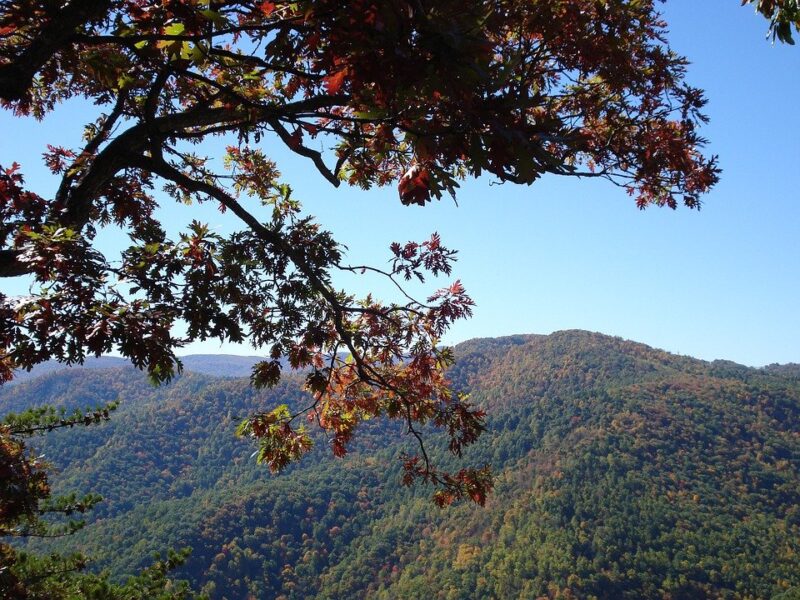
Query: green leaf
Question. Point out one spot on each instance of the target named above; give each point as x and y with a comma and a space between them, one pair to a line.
174, 29
214, 17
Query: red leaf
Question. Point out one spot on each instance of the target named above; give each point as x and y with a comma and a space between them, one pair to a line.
414, 186
333, 83
266, 8
296, 139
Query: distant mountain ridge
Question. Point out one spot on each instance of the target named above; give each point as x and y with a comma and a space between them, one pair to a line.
235, 365
216, 365
622, 472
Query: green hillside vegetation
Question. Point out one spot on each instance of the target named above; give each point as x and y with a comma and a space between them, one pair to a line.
622, 472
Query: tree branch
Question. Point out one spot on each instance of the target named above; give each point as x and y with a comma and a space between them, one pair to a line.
17, 76
298, 148
72, 206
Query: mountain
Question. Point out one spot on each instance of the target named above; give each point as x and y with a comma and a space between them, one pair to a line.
216, 365
621, 472
220, 365
53, 366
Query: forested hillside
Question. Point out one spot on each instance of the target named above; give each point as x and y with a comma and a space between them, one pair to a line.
622, 472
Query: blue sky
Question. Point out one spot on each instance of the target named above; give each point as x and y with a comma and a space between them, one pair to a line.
723, 282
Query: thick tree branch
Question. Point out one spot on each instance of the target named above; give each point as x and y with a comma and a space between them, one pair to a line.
17, 76
75, 203
75, 197
130, 40
10, 265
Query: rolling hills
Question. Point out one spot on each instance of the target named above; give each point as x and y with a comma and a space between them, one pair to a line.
622, 472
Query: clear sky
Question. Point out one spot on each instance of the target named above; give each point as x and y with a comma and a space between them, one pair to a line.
723, 282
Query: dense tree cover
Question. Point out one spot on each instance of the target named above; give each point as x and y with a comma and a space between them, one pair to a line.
28, 509
423, 94
622, 472
27, 576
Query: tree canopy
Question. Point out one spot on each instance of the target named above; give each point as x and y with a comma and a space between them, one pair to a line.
419, 93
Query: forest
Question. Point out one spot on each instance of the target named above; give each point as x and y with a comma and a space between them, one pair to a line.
156, 218
622, 472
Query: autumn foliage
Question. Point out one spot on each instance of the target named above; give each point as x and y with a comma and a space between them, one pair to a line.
409, 93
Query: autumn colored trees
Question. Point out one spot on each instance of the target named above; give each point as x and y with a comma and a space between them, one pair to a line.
627, 472
415, 92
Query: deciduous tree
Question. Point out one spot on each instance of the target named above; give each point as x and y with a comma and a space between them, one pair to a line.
372, 93
417, 93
